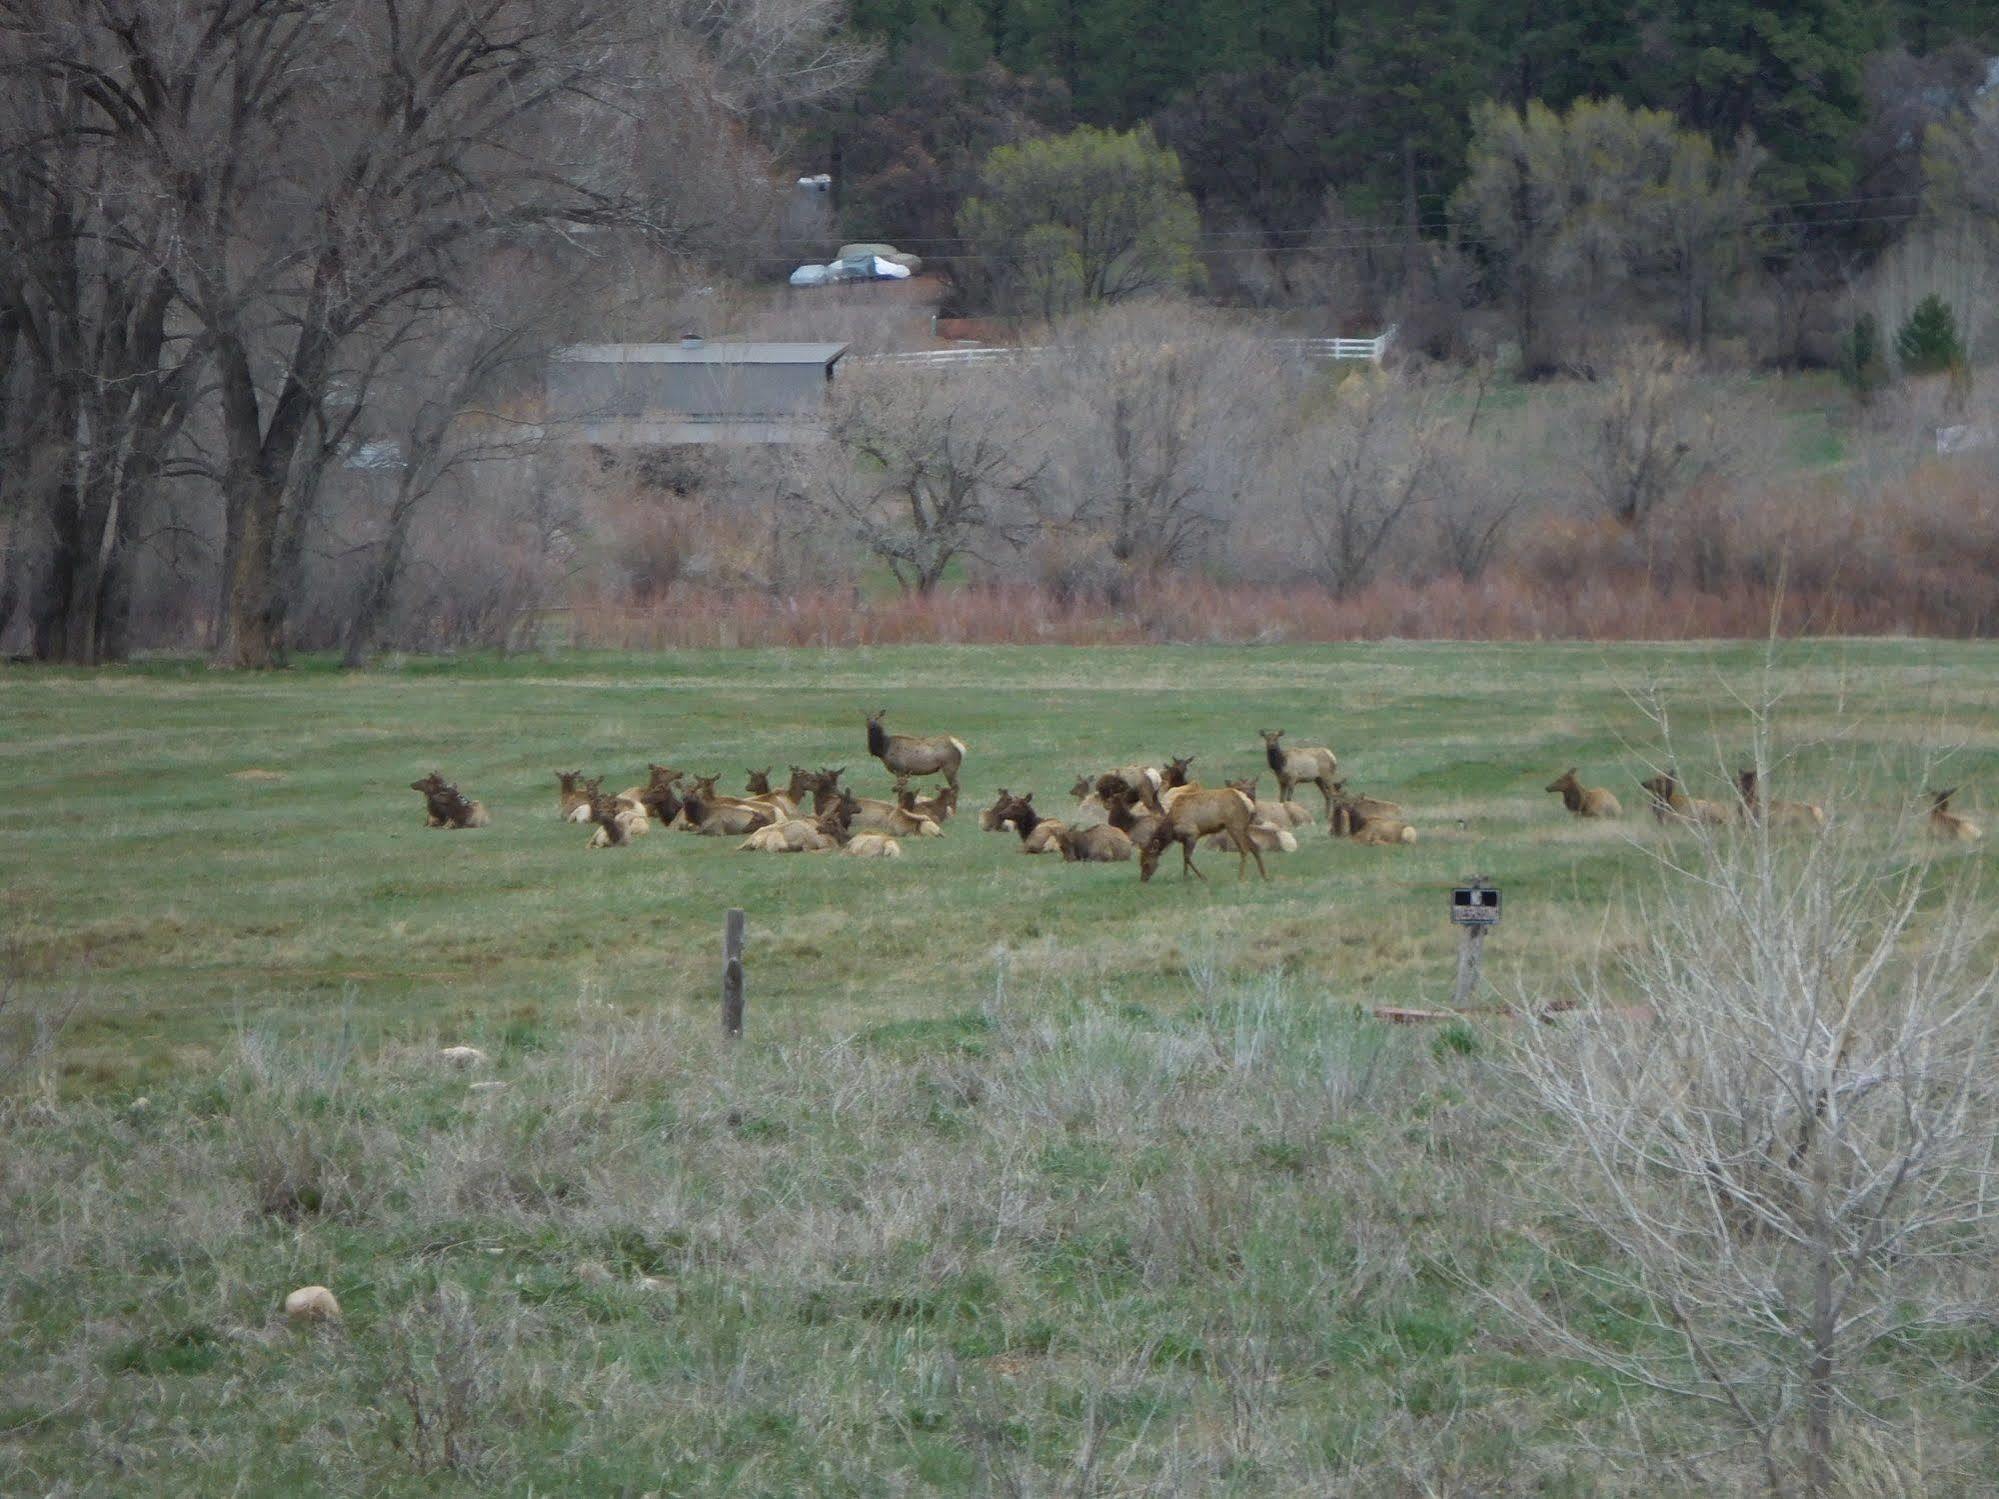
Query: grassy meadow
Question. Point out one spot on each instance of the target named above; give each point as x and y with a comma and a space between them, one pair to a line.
1027, 1179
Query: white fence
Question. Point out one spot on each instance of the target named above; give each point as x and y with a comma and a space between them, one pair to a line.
1310, 350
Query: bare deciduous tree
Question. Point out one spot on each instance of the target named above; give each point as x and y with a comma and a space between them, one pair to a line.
1163, 418
1648, 433
925, 468
1786, 1166
1366, 471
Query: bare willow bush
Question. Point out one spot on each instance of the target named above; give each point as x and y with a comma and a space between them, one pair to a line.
1779, 1179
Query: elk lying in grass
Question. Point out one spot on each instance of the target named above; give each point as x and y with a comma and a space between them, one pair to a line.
757, 788
1093, 845
573, 799
825, 785
1194, 815
1037, 833
1380, 832
994, 818
1672, 805
865, 814
838, 822
1806, 816
938, 808
1310, 764
661, 797
1949, 826
1351, 812
795, 835
616, 823
715, 816
908, 755
1585, 801
446, 807
1277, 814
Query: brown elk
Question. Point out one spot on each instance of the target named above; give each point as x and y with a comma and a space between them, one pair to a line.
1671, 804
1093, 845
1037, 833
994, 818
1352, 812
908, 755
838, 822
795, 835
938, 808
617, 824
1380, 832
1130, 816
1777, 814
573, 799
446, 807
722, 817
1194, 815
1311, 764
1585, 801
1277, 814
869, 815
1951, 827
661, 798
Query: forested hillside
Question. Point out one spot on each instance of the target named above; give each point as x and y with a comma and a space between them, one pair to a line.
1274, 104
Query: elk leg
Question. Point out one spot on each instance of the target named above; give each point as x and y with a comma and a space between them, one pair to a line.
1187, 860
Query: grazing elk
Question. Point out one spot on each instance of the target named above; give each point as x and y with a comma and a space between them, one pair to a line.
1671, 804
446, 807
908, 755
1585, 801
1311, 764
1807, 816
1194, 815
1949, 826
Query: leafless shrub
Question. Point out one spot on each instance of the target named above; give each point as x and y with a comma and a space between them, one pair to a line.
1650, 433
29, 1027
1365, 473
440, 1369
1786, 1167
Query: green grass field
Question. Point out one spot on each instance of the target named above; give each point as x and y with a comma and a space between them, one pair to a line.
1028, 1178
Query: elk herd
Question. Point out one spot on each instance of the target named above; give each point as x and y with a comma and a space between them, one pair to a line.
1132, 812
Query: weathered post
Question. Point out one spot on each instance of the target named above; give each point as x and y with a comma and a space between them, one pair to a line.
732, 975
1474, 908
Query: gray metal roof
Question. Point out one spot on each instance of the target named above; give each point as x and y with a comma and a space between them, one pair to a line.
703, 353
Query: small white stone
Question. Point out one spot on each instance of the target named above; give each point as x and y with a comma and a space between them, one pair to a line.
312, 1304
463, 1056
491, 1085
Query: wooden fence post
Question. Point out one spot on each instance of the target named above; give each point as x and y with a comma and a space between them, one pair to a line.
732, 975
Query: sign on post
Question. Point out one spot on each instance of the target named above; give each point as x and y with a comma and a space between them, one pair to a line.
1476, 904
1475, 911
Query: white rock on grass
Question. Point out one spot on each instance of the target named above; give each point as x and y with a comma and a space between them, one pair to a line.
312, 1304
463, 1056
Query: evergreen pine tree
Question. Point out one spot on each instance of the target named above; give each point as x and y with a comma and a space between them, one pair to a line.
1927, 343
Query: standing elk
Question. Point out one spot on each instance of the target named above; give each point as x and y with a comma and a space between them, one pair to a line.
1310, 764
908, 755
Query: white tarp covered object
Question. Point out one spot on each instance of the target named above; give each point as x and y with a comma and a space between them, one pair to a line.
859, 263
812, 275
888, 270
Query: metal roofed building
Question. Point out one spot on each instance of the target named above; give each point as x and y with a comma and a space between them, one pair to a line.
692, 391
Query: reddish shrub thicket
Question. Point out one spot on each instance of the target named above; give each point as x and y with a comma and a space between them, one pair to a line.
1607, 605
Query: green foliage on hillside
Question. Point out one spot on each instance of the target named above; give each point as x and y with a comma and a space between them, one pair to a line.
1272, 104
